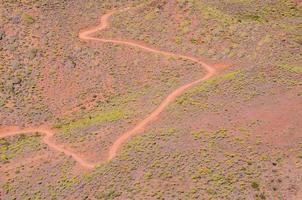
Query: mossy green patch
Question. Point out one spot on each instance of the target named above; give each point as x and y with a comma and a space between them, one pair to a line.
67, 182
87, 121
225, 77
27, 18
294, 69
251, 17
187, 97
211, 12
13, 147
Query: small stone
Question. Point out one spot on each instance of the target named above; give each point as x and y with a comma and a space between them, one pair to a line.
15, 64
16, 19
16, 81
70, 63
2, 34
2, 102
13, 39
32, 53
9, 86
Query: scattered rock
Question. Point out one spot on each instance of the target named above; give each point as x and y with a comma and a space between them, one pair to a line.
12, 39
16, 19
16, 81
12, 47
70, 63
2, 102
9, 87
32, 53
15, 64
2, 34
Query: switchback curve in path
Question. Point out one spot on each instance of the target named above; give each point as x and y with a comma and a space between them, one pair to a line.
47, 139
138, 128
86, 35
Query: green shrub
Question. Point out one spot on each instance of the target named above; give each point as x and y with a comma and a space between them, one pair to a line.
255, 185
28, 18
84, 122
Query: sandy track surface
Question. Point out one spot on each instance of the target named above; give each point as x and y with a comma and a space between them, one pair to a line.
47, 139
86, 35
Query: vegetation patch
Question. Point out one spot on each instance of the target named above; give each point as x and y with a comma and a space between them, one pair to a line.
187, 98
28, 18
84, 122
16, 146
294, 69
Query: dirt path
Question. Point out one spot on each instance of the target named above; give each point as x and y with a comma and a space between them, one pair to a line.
86, 35
47, 139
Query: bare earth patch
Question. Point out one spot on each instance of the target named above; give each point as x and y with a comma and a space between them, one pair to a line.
187, 99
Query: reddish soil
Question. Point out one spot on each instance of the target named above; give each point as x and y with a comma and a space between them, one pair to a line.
86, 35
130, 105
47, 139
28, 161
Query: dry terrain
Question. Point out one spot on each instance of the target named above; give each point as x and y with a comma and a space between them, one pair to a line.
151, 99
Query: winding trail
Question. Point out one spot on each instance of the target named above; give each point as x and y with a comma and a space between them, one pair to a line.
47, 139
138, 128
